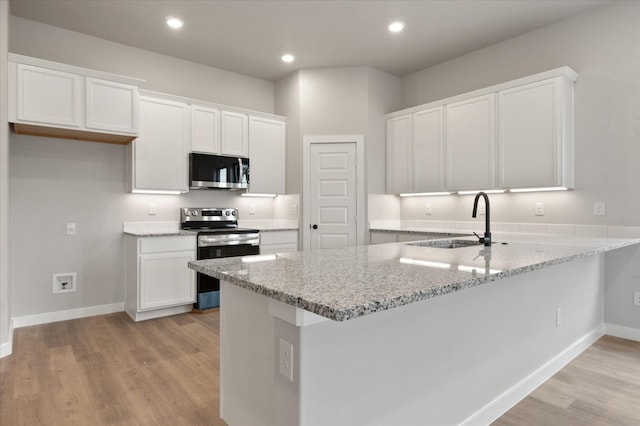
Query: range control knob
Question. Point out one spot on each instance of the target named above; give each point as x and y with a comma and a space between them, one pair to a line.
227, 213
233, 212
187, 212
194, 213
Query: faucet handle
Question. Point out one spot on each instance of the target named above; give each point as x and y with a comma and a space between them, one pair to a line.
480, 239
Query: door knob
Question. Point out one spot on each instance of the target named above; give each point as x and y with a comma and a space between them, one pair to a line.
315, 226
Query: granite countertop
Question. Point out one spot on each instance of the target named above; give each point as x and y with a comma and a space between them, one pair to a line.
343, 284
146, 234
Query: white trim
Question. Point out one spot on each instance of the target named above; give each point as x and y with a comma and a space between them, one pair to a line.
623, 332
7, 348
490, 412
565, 72
57, 66
361, 212
47, 317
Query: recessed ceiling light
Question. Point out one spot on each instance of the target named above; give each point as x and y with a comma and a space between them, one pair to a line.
174, 23
287, 58
396, 27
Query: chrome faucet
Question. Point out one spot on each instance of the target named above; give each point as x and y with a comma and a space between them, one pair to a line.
487, 232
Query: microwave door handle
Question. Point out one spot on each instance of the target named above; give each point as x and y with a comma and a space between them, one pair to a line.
239, 170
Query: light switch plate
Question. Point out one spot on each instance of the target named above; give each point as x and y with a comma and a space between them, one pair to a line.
71, 228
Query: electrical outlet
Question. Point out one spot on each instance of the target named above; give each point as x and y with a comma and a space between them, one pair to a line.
252, 209
153, 208
599, 208
286, 359
482, 209
636, 298
71, 228
427, 208
294, 210
64, 282
539, 209
558, 317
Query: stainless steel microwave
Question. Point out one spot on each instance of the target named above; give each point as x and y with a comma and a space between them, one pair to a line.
208, 171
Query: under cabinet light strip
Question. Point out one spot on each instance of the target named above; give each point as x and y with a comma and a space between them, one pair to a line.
150, 191
486, 191
251, 194
555, 188
425, 194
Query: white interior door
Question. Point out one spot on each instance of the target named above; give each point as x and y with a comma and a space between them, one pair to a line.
333, 195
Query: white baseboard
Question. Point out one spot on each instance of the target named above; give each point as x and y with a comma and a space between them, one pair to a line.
624, 332
48, 317
7, 348
490, 412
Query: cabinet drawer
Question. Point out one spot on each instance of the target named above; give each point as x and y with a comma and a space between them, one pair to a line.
279, 237
165, 244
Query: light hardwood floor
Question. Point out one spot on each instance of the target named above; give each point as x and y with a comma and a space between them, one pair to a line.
108, 370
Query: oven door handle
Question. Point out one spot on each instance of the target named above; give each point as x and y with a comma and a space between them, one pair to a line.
228, 240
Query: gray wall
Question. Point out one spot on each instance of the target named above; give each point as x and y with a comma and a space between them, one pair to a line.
56, 181
602, 46
162, 73
5, 306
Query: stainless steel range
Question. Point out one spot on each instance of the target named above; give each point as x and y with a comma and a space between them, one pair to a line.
218, 236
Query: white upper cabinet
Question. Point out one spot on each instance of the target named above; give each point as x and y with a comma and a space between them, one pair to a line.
159, 155
111, 106
57, 100
47, 96
536, 135
234, 134
267, 155
517, 134
428, 146
205, 130
470, 144
399, 140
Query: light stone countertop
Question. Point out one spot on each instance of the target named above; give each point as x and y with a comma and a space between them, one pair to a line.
150, 234
342, 284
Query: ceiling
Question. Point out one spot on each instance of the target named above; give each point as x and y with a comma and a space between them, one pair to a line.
248, 37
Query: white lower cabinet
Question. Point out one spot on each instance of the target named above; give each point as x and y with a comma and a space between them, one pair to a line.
158, 281
278, 241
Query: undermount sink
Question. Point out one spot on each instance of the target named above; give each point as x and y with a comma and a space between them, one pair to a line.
448, 244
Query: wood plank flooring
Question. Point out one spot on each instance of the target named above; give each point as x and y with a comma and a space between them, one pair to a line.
599, 387
108, 370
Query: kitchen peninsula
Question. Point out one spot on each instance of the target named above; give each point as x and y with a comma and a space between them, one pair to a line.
403, 334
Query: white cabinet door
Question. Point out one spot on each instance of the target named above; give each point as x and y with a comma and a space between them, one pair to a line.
530, 153
470, 144
266, 155
234, 134
46, 96
111, 106
428, 145
160, 152
205, 130
399, 138
165, 280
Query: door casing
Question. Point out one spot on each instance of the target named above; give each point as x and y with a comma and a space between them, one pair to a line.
361, 213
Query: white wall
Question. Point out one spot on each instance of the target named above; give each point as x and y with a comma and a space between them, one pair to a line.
602, 46
5, 306
56, 181
287, 103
